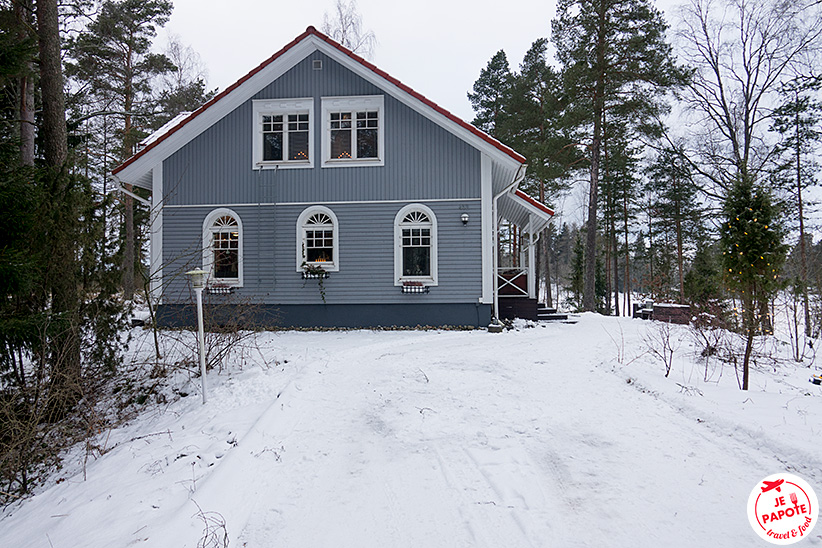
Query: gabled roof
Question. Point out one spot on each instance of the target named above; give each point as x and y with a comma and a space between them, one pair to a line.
136, 168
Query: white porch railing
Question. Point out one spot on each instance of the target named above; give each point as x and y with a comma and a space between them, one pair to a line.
512, 281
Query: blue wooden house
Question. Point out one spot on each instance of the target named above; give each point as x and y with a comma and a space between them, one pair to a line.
317, 170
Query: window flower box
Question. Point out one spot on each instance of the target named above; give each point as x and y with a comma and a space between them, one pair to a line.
313, 275
414, 287
220, 289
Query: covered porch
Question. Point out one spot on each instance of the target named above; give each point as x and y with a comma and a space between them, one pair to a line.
520, 220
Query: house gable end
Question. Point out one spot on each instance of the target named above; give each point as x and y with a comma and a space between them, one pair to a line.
259, 78
423, 161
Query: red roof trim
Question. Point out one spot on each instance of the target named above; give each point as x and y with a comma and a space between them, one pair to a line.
533, 202
214, 99
309, 31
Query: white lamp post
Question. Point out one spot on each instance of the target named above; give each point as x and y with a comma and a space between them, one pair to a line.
198, 282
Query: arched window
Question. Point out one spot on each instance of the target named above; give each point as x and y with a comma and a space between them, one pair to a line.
223, 247
318, 239
415, 247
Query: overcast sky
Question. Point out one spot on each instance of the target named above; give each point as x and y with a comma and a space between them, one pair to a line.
436, 47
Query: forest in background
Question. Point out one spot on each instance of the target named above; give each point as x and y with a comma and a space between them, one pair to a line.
698, 161
697, 143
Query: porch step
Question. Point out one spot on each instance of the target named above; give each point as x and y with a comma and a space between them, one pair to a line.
542, 309
551, 316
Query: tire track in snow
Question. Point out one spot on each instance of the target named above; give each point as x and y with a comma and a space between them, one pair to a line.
240, 479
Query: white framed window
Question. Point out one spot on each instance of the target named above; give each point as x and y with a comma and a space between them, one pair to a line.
318, 238
283, 133
415, 245
223, 247
353, 131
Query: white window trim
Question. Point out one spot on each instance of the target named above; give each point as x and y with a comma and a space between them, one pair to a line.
363, 102
280, 107
431, 280
301, 220
208, 264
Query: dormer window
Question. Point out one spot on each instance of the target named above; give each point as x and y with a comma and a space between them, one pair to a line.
353, 132
283, 133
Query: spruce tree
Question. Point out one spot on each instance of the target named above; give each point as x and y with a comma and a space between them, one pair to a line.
576, 279
752, 255
703, 281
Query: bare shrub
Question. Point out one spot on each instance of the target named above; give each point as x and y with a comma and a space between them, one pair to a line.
215, 534
662, 340
230, 324
709, 334
43, 411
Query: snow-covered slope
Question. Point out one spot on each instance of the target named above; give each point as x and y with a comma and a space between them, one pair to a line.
557, 435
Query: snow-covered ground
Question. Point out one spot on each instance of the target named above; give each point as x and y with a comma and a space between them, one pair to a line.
559, 435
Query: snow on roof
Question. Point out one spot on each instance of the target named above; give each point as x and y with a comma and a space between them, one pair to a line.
162, 130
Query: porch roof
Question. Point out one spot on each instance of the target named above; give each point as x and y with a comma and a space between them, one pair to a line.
524, 211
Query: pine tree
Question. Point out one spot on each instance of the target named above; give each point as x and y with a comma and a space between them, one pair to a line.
492, 96
676, 204
18, 62
535, 124
615, 58
114, 63
619, 182
797, 121
752, 255
184, 87
535, 127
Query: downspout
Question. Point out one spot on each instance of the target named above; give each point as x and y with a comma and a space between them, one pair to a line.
118, 186
532, 267
520, 175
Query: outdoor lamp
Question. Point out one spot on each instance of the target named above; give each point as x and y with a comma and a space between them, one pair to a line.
197, 278
197, 282
464, 218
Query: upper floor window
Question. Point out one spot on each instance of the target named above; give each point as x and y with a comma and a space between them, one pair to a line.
222, 247
283, 133
318, 239
415, 249
353, 131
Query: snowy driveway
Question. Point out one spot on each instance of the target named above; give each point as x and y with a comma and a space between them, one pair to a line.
435, 439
